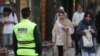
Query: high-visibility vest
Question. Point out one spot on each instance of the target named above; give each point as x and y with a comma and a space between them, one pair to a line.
25, 38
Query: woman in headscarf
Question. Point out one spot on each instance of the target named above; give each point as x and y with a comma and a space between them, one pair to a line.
61, 33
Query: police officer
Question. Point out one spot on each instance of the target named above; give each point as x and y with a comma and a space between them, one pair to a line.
26, 36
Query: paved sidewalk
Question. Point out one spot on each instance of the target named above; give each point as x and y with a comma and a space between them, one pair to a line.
51, 52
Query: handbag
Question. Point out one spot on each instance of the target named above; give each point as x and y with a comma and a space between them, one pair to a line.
87, 40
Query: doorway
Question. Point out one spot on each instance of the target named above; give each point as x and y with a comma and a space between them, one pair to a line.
68, 5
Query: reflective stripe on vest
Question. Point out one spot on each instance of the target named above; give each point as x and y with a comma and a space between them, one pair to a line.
25, 38
26, 44
26, 52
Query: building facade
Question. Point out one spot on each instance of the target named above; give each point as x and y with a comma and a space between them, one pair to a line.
43, 11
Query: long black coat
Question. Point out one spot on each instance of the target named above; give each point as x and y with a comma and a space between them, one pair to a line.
97, 22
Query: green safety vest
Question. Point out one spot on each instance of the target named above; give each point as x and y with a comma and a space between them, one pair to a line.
25, 38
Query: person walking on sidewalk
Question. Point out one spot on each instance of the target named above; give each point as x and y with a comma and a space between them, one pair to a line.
61, 33
77, 17
9, 20
87, 28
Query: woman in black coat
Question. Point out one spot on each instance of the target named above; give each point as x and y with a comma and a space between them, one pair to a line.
81, 30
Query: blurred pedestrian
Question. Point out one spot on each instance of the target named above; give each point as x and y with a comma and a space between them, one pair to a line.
9, 20
97, 22
87, 28
61, 33
90, 7
77, 17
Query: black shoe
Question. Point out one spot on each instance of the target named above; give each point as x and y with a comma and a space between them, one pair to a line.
77, 54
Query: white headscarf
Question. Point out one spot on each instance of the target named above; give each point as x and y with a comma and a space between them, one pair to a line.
61, 8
